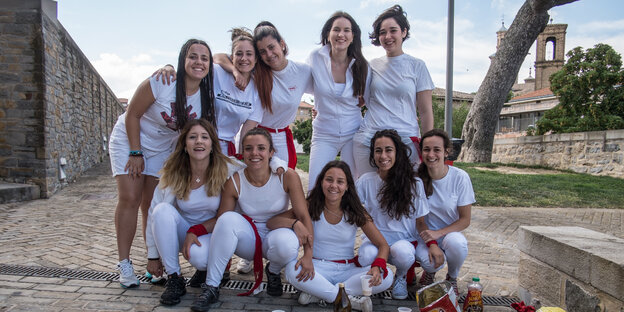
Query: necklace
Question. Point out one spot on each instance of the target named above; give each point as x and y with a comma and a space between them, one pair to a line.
333, 213
197, 180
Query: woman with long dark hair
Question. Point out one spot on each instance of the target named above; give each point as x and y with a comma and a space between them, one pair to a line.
341, 75
185, 201
395, 197
400, 90
144, 136
450, 196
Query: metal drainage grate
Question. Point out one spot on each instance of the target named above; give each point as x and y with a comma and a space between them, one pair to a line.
487, 300
246, 285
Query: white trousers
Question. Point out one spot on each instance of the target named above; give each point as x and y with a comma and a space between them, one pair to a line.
280, 145
455, 248
234, 235
361, 154
325, 148
328, 274
169, 231
402, 255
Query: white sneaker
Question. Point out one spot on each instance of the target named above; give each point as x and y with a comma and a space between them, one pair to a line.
362, 303
305, 298
127, 279
399, 288
244, 266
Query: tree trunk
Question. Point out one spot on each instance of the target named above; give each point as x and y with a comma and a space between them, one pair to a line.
480, 125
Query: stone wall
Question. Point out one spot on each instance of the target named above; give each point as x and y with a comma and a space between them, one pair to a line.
53, 103
597, 152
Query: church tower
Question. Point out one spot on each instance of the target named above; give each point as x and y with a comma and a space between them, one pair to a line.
550, 54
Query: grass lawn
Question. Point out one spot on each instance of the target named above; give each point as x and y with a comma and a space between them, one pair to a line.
561, 189
303, 162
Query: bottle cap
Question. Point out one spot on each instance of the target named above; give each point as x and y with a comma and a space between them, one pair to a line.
475, 279
340, 284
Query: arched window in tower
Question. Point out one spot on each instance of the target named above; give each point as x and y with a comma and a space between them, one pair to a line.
550, 48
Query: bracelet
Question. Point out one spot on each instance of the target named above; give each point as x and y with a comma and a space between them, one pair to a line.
153, 258
292, 227
431, 242
198, 229
381, 263
136, 153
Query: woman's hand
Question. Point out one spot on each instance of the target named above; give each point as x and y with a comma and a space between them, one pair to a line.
436, 255
189, 240
155, 267
303, 234
167, 73
377, 276
240, 81
428, 235
135, 166
307, 268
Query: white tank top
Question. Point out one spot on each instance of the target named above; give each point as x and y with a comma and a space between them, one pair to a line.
199, 207
262, 203
333, 241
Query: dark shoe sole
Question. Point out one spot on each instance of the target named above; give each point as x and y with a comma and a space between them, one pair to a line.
172, 301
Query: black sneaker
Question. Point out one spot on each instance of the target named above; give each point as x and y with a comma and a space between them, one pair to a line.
198, 279
274, 283
174, 289
209, 295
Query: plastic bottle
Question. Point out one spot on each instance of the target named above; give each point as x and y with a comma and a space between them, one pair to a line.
474, 301
342, 302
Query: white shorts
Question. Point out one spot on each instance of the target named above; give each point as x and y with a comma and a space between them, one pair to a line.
119, 151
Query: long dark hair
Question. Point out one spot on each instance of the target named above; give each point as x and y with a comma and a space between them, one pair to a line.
205, 87
360, 66
396, 195
423, 173
350, 203
400, 16
263, 75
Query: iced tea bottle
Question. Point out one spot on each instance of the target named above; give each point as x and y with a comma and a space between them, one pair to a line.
474, 301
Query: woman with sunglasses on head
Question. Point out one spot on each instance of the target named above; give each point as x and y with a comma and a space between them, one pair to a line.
144, 136
184, 206
400, 90
395, 198
336, 214
450, 196
259, 194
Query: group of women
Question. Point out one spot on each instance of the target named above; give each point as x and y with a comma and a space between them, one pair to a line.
168, 154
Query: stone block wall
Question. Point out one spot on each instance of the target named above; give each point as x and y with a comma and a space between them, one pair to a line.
571, 267
597, 152
53, 103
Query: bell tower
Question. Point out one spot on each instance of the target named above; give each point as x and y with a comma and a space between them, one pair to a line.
550, 53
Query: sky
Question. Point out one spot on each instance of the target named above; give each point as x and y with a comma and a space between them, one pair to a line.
126, 41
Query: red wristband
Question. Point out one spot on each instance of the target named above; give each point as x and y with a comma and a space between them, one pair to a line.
431, 242
381, 263
197, 229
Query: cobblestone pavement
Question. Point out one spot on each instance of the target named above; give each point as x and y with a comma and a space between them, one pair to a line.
74, 229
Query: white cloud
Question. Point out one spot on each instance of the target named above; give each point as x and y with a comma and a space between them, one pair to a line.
123, 75
602, 26
364, 4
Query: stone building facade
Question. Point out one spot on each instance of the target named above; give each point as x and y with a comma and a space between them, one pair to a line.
56, 112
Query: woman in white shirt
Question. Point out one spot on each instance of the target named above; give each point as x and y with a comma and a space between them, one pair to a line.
400, 90
144, 136
450, 196
340, 74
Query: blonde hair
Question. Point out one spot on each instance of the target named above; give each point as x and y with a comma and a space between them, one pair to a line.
176, 172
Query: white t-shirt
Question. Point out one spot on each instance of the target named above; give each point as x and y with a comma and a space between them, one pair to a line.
158, 128
338, 111
393, 230
393, 88
333, 241
233, 106
199, 207
289, 84
450, 192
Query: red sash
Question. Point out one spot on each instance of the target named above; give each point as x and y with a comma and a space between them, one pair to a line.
231, 147
257, 258
290, 144
416, 141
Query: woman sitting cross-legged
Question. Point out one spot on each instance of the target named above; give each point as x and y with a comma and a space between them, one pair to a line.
184, 206
260, 195
336, 212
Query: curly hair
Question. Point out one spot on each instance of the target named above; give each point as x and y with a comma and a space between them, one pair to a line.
423, 173
350, 203
176, 173
205, 87
400, 16
396, 196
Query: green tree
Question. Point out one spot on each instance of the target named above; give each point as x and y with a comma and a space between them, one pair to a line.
591, 96
303, 133
459, 116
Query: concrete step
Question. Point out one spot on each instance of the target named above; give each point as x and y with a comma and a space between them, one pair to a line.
15, 192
